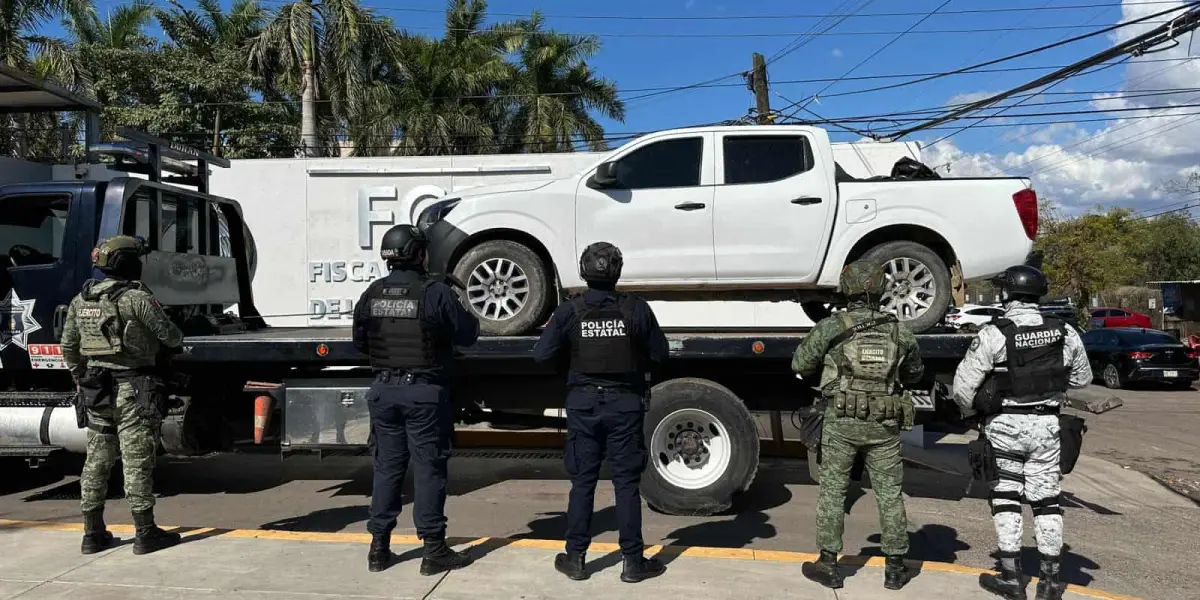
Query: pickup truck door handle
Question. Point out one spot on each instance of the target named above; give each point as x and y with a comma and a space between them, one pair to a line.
806, 200
690, 206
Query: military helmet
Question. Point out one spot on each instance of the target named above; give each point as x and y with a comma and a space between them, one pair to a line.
1023, 282
402, 244
601, 262
120, 254
862, 277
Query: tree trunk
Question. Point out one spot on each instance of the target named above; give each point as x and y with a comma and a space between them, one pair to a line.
308, 107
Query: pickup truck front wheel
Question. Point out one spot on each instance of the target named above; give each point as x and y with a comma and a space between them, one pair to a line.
507, 287
918, 289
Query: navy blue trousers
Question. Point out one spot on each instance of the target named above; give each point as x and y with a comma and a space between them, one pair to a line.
605, 425
409, 421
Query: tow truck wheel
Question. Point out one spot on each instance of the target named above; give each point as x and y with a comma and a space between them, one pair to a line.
702, 444
507, 287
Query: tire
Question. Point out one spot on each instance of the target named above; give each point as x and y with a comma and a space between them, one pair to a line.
940, 302
1112, 378
681, 405
816, 311
496, 254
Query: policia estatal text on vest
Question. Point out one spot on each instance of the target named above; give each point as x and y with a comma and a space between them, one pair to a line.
408, 325
113, 343
611, 341
1015, 377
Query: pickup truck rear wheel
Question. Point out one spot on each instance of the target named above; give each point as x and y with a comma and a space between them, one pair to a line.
507, 287
702, 446
918, 289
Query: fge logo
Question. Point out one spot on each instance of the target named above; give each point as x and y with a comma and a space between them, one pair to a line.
367, 217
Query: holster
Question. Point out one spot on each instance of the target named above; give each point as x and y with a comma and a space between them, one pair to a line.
982, 457
149, 392
97, 389
1070, 434
811, 424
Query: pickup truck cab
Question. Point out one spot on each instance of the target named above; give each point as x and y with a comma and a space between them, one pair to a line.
728, 213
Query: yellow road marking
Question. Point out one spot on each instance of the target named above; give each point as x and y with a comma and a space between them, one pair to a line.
781, 556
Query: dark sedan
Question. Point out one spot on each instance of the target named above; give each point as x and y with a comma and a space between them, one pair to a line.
1120, 355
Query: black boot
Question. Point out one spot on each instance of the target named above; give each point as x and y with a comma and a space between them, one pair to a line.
439, 557
895, 573
1049, 586
639, 568
571, 565
149, 537
824, 571
1011, 583
96, 537
379, 557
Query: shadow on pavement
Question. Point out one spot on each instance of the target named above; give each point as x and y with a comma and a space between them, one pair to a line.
328, 520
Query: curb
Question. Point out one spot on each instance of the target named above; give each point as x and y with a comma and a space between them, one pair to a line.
778, 556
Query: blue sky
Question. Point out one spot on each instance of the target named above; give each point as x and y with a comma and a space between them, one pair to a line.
644, 53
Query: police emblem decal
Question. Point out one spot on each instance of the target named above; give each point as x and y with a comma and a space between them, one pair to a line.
16, 321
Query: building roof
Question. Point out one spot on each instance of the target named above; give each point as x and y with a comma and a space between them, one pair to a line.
22, 92
1178, 281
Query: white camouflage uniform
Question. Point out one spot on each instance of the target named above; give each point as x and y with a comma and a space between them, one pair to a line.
1035, 436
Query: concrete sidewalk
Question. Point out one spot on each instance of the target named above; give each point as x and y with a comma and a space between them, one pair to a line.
42, 560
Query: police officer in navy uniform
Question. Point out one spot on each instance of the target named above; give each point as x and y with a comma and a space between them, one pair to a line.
612, 341
408, 324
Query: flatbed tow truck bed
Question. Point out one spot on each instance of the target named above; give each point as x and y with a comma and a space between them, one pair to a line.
332, 345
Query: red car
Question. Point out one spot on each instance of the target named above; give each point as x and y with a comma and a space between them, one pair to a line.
1119, 317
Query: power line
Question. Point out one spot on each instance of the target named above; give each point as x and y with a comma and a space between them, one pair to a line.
802, 41
769, 17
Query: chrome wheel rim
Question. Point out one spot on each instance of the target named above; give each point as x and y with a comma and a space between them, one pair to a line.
498, 289
1111, 377
911, 288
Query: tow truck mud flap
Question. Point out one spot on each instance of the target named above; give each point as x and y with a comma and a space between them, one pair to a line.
703, 447
325, 413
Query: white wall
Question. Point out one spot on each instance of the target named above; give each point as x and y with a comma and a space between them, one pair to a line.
305, 216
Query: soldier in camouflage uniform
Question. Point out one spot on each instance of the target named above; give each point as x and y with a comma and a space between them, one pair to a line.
862, 355
1034, 359
111, 341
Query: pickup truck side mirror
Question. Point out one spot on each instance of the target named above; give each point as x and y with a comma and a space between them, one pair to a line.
606, 175
60, 321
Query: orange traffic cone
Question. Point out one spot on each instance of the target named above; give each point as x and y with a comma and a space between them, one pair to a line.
262, 417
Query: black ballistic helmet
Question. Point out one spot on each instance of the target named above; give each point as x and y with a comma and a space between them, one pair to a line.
402, 244
1023, 282
601, 262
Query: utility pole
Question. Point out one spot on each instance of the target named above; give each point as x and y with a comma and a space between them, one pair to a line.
758, 83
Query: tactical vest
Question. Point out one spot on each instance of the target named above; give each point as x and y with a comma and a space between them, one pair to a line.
1034, 357
602, 339
867, 356
396, 336
101, 327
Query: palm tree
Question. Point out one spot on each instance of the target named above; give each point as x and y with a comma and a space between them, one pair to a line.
210, 28
124, 28
309, 45
554, 91
22, 47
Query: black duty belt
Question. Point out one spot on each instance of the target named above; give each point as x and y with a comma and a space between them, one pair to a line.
1031, 410
402, 377
603, 389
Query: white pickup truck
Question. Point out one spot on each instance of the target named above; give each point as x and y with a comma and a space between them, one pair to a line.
727, 213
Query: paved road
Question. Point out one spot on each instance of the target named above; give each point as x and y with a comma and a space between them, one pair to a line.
1126, 534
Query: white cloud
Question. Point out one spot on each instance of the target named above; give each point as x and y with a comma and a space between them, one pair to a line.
969, 97
1120, 163
837, 53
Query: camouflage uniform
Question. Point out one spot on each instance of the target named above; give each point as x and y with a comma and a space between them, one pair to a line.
116, 327
864, 412
1034, 436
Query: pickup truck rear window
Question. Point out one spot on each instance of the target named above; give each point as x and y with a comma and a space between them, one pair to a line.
765, 158
31, 229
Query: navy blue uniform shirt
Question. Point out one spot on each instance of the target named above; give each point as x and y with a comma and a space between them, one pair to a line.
555, 343
441, 309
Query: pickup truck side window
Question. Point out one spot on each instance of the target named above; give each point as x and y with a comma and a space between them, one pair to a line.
31, 228
765, 158
666, 164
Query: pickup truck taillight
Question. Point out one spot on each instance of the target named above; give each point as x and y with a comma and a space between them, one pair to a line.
1027, 209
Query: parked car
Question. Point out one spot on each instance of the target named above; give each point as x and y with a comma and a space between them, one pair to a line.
971, 317
1119, 317
1120, 355
1065, 312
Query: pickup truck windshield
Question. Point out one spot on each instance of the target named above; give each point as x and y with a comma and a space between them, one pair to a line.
31, 229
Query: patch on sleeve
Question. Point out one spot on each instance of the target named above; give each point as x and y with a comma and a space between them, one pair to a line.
155, 302
975, 344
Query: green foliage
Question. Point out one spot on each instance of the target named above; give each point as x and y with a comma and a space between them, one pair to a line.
329, 75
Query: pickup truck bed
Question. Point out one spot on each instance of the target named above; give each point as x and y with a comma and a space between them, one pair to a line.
303, 345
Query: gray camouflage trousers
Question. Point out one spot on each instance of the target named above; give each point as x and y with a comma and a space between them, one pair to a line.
1036, 438
128, 435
